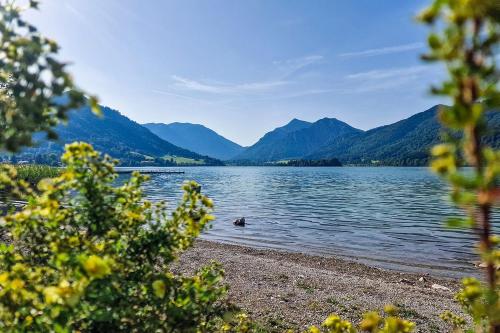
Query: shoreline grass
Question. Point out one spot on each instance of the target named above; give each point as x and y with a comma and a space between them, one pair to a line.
33, 173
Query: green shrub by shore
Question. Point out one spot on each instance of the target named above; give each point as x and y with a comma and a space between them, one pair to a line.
33, 173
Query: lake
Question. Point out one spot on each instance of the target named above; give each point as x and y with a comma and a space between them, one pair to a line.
385, 216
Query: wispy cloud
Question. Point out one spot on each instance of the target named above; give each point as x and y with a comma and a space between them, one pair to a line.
253, 87
291, 66
383, 50
383, 79
169, 93
380, 74
296, 94
298, 63
354, 83
279, 82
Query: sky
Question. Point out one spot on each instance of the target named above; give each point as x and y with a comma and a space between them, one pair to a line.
245, 67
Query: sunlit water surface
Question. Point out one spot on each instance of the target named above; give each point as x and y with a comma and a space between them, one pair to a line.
387, 217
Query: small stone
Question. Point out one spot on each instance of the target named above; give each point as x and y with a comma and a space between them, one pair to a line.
485, 265
422, 279
440, 287
406, 281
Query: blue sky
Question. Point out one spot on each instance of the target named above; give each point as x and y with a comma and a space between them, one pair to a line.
245, 67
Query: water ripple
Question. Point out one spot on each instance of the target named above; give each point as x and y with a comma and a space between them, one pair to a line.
388, 215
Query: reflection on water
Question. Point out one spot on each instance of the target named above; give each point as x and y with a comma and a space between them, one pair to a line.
391, 217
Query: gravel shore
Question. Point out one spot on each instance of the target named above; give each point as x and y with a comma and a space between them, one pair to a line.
284, 290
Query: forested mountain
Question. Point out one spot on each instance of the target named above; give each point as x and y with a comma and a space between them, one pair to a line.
406, 142
117, 136
196, 138
296, 139
265, 144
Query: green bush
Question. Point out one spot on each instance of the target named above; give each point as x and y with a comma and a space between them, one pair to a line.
33, 173
466, 38
85, 255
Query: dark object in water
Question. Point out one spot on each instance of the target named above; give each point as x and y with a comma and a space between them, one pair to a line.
239, 222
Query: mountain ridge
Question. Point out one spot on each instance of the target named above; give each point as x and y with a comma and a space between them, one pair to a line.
405, 142
295, 139
117, 135
410, 138
197, 138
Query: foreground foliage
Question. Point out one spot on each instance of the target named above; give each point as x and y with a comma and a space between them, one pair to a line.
467, 44
30, 80
88, 256
372, 322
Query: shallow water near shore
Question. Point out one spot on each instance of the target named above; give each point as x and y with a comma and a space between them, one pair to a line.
385, 216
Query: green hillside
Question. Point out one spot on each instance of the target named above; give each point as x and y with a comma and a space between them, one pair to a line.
296, 139
116, 135
406, 142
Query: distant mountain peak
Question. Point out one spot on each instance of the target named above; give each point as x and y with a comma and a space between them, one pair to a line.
197, 138
296, 139
296, 120
177, 123
331, 120
294, 125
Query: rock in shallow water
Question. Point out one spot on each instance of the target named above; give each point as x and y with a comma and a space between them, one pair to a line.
239, 222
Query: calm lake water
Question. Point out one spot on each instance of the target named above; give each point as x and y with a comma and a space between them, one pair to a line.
385, 216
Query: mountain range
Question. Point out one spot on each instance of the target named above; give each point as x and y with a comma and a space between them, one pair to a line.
116, 135
406, 142
296, 140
